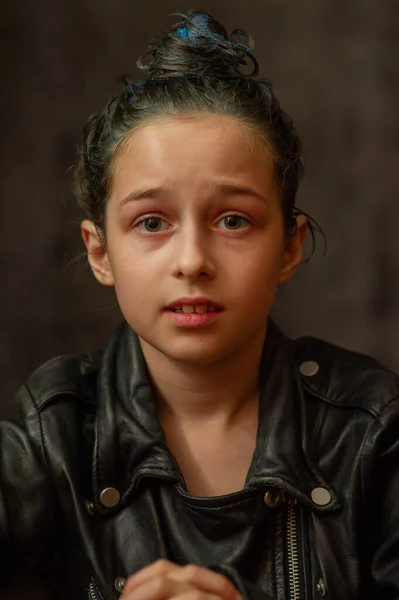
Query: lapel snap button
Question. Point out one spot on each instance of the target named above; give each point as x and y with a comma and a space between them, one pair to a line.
119, 584
110, 497
321, 587
309, 368
91, 509
321, 496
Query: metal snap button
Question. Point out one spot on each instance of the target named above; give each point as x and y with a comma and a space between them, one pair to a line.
110, 497
119, 584
321, 496
321, 587
272, 498
91, 509
309, 368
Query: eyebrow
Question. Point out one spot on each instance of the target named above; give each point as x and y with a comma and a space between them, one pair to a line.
228, 189
225, 189
145, 194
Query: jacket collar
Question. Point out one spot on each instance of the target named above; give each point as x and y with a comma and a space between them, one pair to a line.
281, 457
130, 443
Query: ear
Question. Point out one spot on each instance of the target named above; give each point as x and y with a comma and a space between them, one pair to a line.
294, 250
97, 254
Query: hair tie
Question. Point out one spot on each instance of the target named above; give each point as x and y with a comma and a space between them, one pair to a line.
198, 21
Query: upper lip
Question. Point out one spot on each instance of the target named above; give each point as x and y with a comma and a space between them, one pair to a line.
200, 301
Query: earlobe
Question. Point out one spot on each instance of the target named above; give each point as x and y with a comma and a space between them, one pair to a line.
294, 250
97, 254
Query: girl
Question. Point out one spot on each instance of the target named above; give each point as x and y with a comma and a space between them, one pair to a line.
202, 455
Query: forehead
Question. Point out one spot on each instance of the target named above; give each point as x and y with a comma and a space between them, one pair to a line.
192, 149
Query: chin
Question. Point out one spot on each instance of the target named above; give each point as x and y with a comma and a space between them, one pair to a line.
194, 353
191, 351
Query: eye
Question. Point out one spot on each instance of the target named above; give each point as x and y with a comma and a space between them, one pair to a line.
234, 222
152, 225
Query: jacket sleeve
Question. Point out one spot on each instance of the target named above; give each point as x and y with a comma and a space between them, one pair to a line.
380, 482
26, 498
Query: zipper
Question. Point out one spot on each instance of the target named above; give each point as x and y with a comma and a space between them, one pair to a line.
94, 593
294, 586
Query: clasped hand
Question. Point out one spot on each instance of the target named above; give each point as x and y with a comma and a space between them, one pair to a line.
164, 580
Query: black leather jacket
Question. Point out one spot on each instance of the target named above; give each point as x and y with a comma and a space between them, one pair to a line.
319, 515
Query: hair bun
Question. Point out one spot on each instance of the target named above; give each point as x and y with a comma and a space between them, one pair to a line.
198, 44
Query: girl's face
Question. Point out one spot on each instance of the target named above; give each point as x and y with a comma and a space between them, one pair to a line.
194, 213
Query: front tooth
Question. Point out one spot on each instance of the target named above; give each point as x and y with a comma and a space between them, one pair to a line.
178, 310
188, 308
201, 308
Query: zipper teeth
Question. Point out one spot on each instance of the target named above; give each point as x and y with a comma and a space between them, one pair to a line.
93, 595
293, 558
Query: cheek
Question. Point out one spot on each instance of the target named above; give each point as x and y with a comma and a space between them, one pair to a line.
125, 260
259, 275
261, 262
132, 280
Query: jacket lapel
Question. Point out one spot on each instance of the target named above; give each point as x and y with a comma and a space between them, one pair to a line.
281, 458
129, 441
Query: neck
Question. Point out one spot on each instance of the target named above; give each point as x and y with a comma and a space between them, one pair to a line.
212, 392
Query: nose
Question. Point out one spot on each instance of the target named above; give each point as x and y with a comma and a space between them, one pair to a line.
193, 255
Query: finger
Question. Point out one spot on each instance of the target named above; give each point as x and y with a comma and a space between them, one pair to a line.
157, 588
195, 595
161, 567
207, 581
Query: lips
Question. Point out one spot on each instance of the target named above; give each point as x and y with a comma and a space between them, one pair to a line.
194, 305
193, 308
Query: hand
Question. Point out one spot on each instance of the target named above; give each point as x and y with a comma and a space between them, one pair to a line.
164, 580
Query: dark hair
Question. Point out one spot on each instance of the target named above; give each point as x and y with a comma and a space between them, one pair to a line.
195, 67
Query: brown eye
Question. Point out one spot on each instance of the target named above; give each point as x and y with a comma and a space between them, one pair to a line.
233, 222
153, 224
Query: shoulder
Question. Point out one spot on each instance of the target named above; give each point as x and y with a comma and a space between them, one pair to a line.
69, 375
344, 378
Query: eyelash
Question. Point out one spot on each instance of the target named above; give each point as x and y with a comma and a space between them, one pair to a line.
150, 217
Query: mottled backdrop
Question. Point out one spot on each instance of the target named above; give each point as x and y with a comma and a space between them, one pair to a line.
335, 64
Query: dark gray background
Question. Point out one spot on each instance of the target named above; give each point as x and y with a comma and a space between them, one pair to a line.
335, 64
